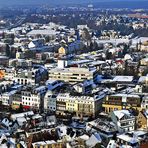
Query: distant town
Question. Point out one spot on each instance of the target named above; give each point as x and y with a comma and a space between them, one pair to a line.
73, 77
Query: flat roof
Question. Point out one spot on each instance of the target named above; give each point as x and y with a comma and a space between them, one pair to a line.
43, 32
71, 70
127, 138
123, 78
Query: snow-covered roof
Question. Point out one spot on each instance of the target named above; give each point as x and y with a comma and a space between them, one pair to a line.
43, 32
123, 78
84, 137
14, 116
113, 41
140, 39
93, 140
63, 130
142, 79
127, 138
120, 113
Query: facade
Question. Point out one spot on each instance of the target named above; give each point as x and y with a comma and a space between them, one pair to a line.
71, 48
9, 74
2, 74
129, 140
80, 105
32, 76
122, 101
4, 61
7, 98
72, 75
50, 101
33, 98
144, 103
84, 88
124, 120
17, 100
142, 120
144, 62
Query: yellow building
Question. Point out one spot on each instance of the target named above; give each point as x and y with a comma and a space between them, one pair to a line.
81, 105
144, 62
15, 104
141, 120
71, 47
62, 51
19, 55
2, 74
121, 101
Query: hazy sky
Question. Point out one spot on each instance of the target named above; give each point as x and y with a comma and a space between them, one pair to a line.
137, 3
15, 2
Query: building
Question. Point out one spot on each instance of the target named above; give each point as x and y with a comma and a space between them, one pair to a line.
2, 74
122, 101
142, 119
84, 87
31, 76
144, 103
19, 55
4, 61
36, 43
72, 75
71, 48
53, 84
9, 73
81, 105
43, 33
33, 97
144, 62
128, 140
124, 120
7, 98
50, 101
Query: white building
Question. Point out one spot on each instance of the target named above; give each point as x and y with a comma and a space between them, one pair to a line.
72, 75
7, 98
124, 120
81, 105
32, 76
144, 103
33, 98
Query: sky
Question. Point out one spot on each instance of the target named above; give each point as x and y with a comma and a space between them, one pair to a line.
60, 2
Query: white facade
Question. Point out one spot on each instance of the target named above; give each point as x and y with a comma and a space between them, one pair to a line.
72, 75
62, 63
33, 98
7, 98
144, 103
124, 120
24, 81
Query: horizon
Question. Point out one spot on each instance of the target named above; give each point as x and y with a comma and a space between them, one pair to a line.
103, 3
